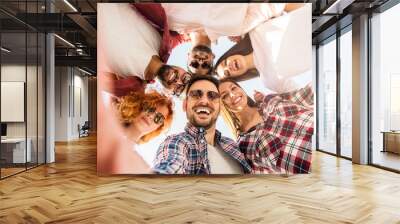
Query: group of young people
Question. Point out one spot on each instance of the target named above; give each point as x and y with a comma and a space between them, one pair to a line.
274, 132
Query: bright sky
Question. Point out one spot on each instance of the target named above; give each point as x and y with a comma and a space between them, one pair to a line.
179, 58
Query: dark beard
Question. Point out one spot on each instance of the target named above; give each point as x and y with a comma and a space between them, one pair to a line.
193, 121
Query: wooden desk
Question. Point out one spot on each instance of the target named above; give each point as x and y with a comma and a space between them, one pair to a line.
391, 141
13, 150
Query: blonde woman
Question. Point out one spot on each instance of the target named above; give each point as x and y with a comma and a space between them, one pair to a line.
274, 131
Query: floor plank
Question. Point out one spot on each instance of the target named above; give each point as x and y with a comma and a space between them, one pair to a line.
387, 159
69, 191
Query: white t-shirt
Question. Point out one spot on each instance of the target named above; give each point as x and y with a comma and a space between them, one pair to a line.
218, 19
282, 48
127, 40
221, 162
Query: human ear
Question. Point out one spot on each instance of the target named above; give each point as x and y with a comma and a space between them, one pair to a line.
184, 105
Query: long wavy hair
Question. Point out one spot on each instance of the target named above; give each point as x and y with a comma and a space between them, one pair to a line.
131, 105
243, 47
230, 117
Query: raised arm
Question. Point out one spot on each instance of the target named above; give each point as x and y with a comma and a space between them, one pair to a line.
199, 38
292, 123
303, 96
121, 86
115, 154
286, 104
171, 157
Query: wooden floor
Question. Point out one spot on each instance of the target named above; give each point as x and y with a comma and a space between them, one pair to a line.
69, 191
387, 159
10, 171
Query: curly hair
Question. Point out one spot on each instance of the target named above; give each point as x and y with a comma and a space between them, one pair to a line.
131, 105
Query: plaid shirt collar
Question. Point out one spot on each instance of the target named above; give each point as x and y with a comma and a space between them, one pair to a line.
199, 132
186, 153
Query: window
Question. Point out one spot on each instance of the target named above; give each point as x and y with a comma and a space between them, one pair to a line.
22, 65
327, 97
385, 89
346, 93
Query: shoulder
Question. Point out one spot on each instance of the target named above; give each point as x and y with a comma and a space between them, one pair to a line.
225, 141
261, 132
177, 139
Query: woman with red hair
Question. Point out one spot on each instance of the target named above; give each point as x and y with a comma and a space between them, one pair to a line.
144, 115
132, 119
125, 122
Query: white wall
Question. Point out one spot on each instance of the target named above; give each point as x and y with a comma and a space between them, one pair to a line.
62, 80
79, 117
16, 73
70, 83
33, 127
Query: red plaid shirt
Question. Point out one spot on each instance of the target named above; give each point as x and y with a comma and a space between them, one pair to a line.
282, 143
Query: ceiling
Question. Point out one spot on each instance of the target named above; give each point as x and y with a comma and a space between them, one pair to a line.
75, 22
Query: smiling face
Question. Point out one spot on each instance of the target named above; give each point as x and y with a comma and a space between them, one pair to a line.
174, 79
150, 120
200, 60
202, 111
232, 66
233, 97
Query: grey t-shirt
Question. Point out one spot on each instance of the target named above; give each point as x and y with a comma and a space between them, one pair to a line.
221, 162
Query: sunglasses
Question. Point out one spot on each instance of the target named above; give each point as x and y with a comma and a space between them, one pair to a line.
198, 94
195, 64
158, 117
180, 87
174, 78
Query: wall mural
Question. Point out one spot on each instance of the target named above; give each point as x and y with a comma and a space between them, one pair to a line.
209, 88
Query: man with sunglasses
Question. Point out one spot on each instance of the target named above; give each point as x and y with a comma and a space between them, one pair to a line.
201, 57
200, 149
206, 22
173, 78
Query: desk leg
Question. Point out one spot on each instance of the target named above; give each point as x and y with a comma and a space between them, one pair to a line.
384, 143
